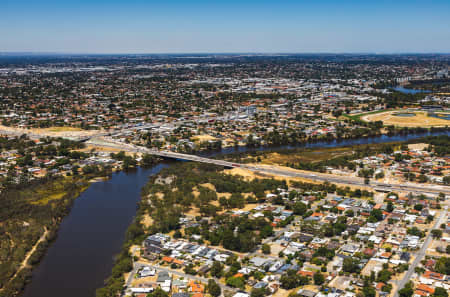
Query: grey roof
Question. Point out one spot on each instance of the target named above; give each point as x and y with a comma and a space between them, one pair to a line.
163, 276
306, 293
258, 261
260, 285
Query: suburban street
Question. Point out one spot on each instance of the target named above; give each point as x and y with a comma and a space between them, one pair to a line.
139, 265
421, 253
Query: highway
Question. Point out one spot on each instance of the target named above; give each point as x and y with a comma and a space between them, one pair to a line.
421, 253
346, 180
102, 139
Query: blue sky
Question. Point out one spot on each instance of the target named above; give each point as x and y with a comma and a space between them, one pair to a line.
146, 26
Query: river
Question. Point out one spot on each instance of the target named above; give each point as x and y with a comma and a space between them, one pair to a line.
81, 258
410, 91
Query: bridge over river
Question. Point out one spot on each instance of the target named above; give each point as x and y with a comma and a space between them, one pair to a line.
287, 172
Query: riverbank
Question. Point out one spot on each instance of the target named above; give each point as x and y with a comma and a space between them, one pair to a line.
95, 229
81, 257
31, 220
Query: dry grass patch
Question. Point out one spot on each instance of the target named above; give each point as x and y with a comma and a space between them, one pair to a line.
306, 155
420, 119
147, 221
203, 138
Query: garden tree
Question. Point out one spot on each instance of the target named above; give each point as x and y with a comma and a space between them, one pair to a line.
407, 290
265, 248
443, 265
158, 292
236, 282
446, 179
258, 275
423, 178
213, 288
436, 233
216, 269
324, 252
350, 213
418, 207
299, 208
368, 291
447, 249
415, 231
384, 276
440, 292
419, 270
291, 280
387, 288
261, 292
318, 278
376, 215
390, 206
350, 265
189, 269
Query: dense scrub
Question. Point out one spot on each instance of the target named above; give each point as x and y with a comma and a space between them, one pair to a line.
25, 213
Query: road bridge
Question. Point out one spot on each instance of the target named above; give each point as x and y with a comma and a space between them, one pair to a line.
346, 180
103, 139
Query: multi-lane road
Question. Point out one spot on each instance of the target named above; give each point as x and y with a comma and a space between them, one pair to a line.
346, 180
101, 139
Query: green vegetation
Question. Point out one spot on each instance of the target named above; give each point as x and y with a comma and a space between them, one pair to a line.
291, 279
24, 215
440, 292
407, 290
442, 265
213, 288
357, 117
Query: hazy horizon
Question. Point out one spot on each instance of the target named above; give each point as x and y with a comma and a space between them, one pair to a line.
200, 26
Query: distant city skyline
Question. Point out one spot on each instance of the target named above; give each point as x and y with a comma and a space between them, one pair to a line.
199, 26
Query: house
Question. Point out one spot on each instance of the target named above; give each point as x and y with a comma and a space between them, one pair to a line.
424, 290
147, 271
180, 294
260, 285
306, 273
163, 276
306, 293
241, 294
181, 284
258, 261
350, 248
434, 275
196, 287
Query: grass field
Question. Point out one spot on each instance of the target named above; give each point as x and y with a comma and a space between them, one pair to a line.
420, 119
307, 155
360, 115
